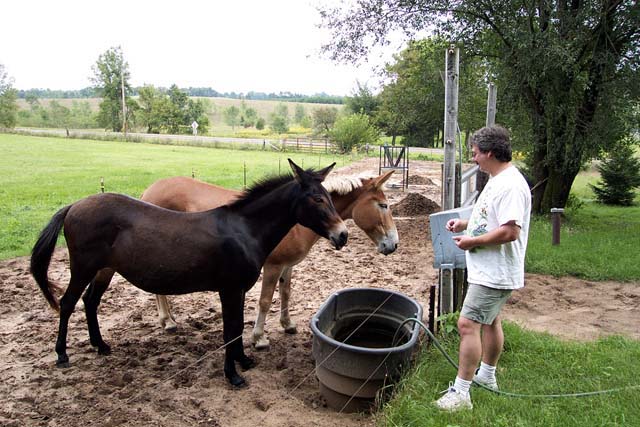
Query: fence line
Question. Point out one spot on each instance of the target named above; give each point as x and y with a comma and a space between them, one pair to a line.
310, 145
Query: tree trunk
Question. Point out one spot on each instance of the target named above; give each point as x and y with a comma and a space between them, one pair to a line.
539, 170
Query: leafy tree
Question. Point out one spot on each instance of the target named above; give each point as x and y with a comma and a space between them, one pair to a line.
362, 101
8, 105
569, 68
59, 115
154, 108
306, 121
32, 100
323, 119
620, 174
232, 116
177, 117
171, 112
279, 119
110, 74
81, 115
260, 123
299, 114
354, 130
413, 101
197, 110
248, 116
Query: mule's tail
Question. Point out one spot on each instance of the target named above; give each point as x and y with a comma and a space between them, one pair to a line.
41, 256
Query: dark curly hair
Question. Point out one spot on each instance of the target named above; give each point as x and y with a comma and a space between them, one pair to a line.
493, 139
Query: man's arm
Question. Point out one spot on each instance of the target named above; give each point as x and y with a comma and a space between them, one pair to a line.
505, 233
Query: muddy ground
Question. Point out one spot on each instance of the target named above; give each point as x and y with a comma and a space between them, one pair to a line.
157, 379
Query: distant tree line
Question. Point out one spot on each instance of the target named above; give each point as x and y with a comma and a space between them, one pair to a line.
205, 92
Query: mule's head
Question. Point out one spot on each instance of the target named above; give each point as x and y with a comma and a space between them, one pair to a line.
314, 208
372, 214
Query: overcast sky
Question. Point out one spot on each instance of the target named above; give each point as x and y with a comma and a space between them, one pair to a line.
228, 45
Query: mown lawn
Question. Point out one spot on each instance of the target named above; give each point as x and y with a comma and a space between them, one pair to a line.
39, 175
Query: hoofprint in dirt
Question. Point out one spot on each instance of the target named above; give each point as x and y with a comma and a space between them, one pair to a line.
155, 379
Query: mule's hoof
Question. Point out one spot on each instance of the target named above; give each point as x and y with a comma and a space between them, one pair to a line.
237, 381
289, 325
104, 350
247, 362
293, 329
170, 328
261, 343
63, 363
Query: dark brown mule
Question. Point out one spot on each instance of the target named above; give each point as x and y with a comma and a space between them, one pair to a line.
354, 197
167, 252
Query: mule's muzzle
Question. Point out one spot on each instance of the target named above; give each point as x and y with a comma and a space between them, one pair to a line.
339, 238
387, 248
389, 243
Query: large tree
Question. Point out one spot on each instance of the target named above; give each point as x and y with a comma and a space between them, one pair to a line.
569, 66
8, 106
171, 112
110, 75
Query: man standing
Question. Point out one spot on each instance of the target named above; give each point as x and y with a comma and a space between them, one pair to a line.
495, 241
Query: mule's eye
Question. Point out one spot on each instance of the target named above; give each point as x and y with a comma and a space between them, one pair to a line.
318, 199
383, 205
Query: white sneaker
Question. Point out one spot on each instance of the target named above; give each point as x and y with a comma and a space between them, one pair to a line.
489, 383
453, 400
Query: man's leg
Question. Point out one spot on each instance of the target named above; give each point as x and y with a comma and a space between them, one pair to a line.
457, 396
492, 342
470, 347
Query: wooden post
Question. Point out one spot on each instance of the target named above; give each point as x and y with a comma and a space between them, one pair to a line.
556, 214
452, 62
452, 65
244, 174
432, 309
483, 177
446, 291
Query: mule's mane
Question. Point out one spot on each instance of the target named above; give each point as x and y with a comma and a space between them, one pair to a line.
333, 184
260, 188
344, 184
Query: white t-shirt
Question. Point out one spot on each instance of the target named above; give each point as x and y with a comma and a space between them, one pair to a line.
505, 198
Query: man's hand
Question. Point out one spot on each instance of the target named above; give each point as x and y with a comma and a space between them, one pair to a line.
456, 225
464, 242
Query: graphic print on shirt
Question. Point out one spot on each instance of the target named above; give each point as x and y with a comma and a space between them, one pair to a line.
479, 220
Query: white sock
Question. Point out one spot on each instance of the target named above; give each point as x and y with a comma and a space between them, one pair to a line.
486, 371
461, 385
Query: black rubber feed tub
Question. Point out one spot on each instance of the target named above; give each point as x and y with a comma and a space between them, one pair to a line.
353, 334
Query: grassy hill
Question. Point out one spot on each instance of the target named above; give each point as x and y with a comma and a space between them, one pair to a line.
216, 108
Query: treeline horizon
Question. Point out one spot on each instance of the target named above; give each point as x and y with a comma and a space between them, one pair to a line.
205, 92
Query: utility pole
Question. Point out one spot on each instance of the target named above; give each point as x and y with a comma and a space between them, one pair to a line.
124, 105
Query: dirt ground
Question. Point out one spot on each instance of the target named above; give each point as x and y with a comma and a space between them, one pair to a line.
157, 379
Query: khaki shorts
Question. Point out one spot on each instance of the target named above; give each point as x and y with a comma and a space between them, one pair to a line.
483, 304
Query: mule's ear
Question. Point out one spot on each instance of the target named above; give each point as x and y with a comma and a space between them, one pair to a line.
382, 179
324, 172
298, 172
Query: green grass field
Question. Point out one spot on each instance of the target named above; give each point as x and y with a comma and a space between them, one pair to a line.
41, 174
532, 363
